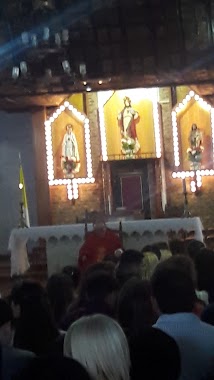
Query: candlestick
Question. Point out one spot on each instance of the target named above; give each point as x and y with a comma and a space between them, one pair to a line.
184, 186
109, 205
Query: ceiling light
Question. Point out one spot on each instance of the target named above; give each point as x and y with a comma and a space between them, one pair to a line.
15, 72
65, 36
66, 67
82, 69
23, 67
46, 34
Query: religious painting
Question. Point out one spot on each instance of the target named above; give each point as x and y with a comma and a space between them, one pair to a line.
129, 124
192, 132
68, 146
128, 119
70, 158
195, 150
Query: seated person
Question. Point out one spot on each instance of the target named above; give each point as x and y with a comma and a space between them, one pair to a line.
98, 244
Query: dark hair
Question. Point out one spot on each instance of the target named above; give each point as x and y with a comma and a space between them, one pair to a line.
60, 293
35, 329
156, 354
134, 309
173, 289
183, 263
6, 314
204, 263
95, 289
208, 314
103, 266
129, 266
194, 247
74, 273
54, 368
98, 285
177, 247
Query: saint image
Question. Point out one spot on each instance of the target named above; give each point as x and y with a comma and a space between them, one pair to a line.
70, 159
196, 148
127, 120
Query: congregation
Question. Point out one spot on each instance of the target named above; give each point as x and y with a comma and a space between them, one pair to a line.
133, 315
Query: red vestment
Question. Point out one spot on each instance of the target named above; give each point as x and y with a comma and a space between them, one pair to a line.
96, 247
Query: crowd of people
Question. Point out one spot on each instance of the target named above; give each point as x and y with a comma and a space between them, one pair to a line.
131, 316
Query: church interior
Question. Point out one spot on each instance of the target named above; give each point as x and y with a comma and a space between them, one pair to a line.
109, 107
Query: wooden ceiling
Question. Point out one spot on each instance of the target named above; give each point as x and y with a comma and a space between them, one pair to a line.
122, 43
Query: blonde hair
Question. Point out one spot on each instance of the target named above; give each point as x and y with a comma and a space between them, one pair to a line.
99, 344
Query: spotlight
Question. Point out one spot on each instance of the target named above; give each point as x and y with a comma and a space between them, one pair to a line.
48, 73
88, 88
82, 69
25, 38
65, 36
66, 67
34, 40
46, 34
23, 68
43, 5
15, 72
57, 39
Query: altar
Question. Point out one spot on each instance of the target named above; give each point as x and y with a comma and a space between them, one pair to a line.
64, 241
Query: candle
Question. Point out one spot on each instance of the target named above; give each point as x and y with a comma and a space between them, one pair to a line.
184, 186
109, 204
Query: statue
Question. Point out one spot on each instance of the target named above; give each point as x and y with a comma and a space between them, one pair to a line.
127, 120
196, 148
70, 159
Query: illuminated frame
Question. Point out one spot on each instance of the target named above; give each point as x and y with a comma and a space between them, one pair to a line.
196, 176
151, 94
72, 184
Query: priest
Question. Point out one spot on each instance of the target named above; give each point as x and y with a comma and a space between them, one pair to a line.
99, 243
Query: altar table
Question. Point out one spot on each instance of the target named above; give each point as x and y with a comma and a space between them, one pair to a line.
64, 241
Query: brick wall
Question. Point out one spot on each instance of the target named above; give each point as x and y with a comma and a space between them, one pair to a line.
201, 205
90, 195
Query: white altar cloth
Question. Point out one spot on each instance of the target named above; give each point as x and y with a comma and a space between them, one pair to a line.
64, 241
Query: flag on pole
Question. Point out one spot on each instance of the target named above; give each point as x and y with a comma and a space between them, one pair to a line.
23, 196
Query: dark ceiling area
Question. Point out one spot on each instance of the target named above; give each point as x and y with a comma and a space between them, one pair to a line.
50, 48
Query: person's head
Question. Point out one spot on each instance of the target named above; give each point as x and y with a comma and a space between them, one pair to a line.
69, 128
100, 345
99, 289
194, 127
75, 275
127, 101
135, 310
101, 266
177, 247
35, 327
153, 248
129, 266
54, 368
184, 264
6, 317
60, 293
155, 355
194, 247
99, 225
173, 289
